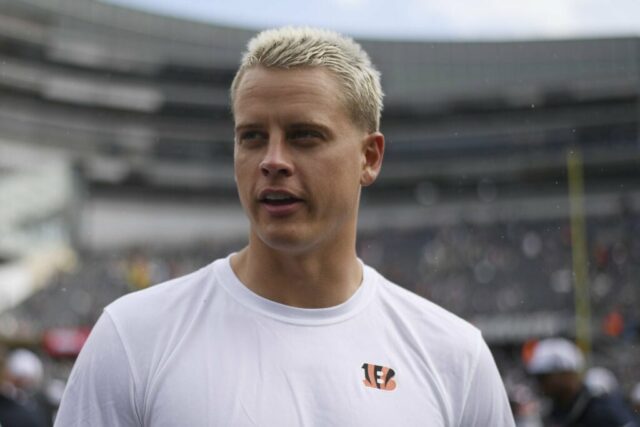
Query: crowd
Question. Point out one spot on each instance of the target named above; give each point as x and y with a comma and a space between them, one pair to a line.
470, 269
516, 267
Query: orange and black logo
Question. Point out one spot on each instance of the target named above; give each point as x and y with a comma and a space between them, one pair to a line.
381, 377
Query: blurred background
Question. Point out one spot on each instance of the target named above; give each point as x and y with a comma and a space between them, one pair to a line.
510, 193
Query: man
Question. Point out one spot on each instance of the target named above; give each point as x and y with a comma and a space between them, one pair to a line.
12, 412
24, 376
292, 330
557, 364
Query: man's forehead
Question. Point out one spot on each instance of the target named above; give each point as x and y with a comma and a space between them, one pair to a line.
301, 93
289, 80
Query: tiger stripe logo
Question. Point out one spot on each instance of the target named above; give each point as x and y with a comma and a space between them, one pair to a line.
380, 377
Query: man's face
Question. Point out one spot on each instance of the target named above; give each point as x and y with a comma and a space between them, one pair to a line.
299, 158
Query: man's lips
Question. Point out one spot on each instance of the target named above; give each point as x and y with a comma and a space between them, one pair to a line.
278, 197
279, 202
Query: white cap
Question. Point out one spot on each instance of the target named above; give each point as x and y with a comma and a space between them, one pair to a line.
635, 394
25, 365
600, 380
555, 355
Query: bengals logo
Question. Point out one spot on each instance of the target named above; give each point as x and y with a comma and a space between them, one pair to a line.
376, 376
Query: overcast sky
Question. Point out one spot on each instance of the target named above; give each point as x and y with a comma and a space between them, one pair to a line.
419, 19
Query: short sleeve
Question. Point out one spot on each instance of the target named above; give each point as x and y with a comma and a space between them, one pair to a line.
486, 402
100, 391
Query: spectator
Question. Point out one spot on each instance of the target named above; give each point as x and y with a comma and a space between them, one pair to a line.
557, 364
12, 412
24, 374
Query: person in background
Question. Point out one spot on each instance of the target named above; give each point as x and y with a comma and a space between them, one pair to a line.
557, 365
12, 412
25, 373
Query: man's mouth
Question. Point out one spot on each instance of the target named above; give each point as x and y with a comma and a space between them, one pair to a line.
278, 199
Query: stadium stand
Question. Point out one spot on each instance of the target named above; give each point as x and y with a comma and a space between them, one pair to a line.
471, 209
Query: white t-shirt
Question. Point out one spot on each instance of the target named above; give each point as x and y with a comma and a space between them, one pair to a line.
204, 350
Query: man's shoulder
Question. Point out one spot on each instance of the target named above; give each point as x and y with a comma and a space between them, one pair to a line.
446, 349
171, 298
422, 310
429, 321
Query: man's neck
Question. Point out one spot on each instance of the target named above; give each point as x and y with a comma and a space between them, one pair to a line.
323, 278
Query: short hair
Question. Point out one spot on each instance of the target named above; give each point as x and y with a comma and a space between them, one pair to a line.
290, 47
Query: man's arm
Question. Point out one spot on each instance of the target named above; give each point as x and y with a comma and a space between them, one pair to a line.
486, 402
101, 389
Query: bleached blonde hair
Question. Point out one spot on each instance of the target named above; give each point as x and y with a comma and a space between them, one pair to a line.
290, 47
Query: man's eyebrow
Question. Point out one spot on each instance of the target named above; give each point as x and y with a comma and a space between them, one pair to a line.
295, 125
316, 125
244, 126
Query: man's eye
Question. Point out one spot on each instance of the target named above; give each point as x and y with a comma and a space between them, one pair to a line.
251, 137
304, 134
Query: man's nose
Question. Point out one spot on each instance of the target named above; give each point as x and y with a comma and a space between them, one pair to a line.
276, 160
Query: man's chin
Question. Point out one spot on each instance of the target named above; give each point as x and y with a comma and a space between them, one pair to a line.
291, 241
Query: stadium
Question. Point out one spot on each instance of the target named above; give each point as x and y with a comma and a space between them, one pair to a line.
116, 173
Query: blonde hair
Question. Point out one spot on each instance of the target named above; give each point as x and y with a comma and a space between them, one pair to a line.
290, 47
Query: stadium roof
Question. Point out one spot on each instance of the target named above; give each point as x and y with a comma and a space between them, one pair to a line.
418, 19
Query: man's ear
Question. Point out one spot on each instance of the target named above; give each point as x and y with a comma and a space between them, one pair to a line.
372, 154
